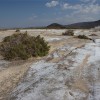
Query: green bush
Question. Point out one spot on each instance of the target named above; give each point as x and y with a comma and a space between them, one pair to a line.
82, 37
17, 30
68, 33
23, 46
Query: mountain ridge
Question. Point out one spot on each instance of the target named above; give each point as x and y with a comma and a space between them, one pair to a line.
80, 25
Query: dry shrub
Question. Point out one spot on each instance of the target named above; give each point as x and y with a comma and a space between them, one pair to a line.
68, 33
83, 37
23, 46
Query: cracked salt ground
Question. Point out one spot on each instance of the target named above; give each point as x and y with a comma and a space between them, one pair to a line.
79, 80
53, 39
57, 53
3, 64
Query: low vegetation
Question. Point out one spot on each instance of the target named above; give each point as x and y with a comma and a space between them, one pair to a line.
23, 46
96, 29
17, 30
83, 37
93, 35
68, 33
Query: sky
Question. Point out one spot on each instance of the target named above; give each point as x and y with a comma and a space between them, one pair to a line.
33, 13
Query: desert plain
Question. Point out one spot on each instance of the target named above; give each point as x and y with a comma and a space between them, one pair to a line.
71, 70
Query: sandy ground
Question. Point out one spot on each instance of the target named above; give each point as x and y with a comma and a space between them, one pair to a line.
12, 72
65, 74
10, 76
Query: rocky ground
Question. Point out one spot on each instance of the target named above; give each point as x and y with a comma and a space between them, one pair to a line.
71, 71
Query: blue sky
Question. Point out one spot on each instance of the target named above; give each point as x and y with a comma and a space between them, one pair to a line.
26, 13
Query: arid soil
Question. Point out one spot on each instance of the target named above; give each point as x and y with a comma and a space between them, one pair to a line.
69, 72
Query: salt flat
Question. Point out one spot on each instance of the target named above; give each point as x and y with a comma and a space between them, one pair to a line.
71, 71
59, 80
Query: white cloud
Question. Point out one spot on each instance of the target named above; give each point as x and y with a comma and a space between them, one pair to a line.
52, 4
91, 1
85, 0
83, 8
68, 6
33, 17
87, 11
92, 9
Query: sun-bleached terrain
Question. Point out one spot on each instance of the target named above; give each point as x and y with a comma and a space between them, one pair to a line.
71, 71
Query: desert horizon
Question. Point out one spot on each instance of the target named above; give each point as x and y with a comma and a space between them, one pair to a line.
49, 50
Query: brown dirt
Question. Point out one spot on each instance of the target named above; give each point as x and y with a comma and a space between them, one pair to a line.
10, 77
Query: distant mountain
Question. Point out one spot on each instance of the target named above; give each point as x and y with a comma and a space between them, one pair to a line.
84, 25
55, 26
81, 25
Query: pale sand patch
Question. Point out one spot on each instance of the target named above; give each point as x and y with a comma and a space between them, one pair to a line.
11, 76
79, 82
82, 65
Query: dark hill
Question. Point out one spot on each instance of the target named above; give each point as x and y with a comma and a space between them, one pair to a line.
84, 25
55, 26
81, 25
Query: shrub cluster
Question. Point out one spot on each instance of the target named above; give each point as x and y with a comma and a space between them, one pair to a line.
93, 35
23, 46
69, 33
82, 37
17, 30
